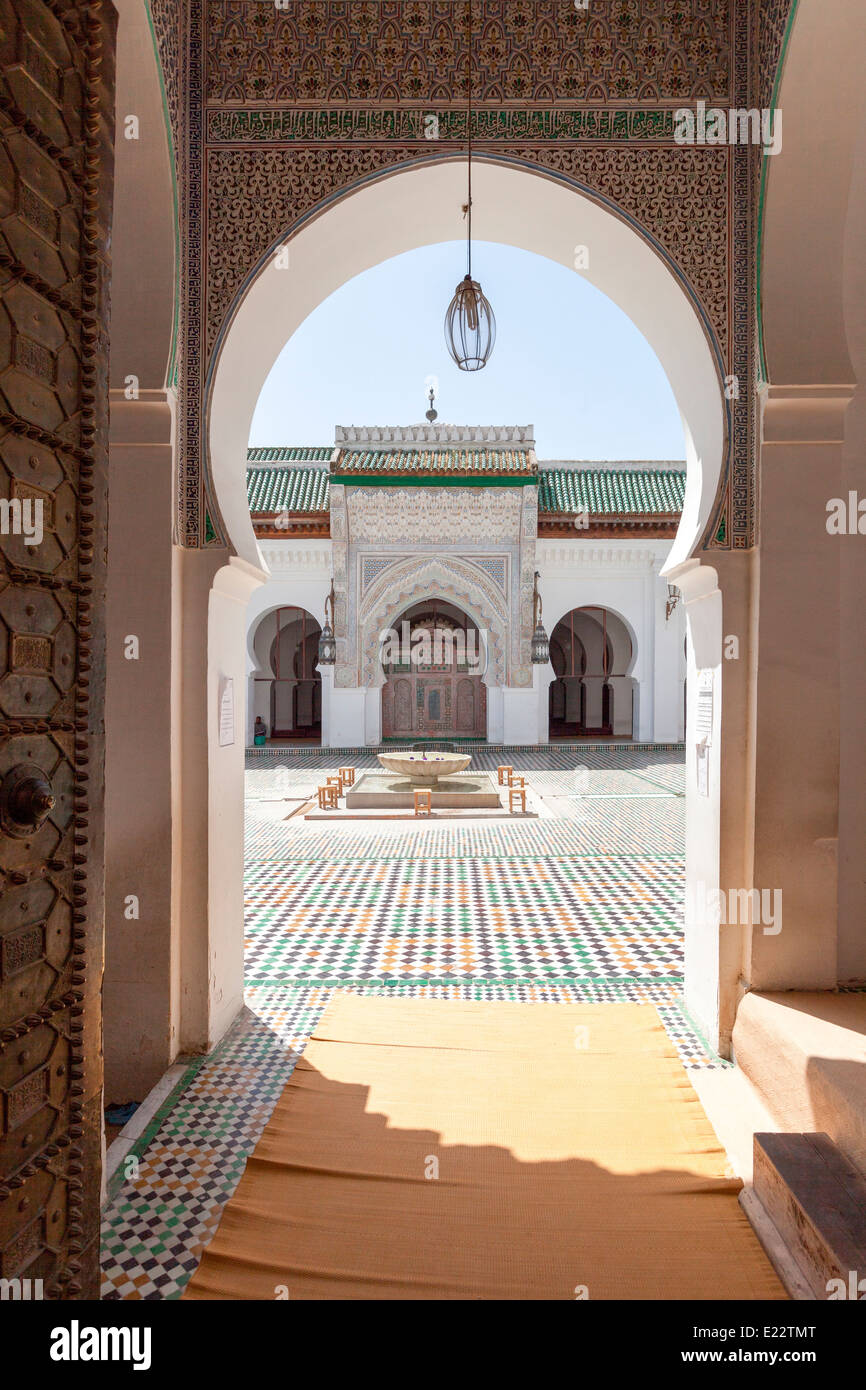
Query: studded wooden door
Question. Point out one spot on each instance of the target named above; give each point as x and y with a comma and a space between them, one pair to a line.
56, 133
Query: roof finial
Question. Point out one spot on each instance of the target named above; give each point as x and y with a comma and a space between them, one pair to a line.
431, 413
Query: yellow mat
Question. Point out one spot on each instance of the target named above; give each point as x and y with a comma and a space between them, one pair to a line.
436, 1149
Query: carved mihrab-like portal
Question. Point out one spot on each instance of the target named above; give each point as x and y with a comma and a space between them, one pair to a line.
56, 131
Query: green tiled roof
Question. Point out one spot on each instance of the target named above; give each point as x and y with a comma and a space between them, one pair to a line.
288, 489
279, 455
286, 486
618, 491
440, 461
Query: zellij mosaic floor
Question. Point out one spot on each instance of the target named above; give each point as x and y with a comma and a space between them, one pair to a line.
579, 902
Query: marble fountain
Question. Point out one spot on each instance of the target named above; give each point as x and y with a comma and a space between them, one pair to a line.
443, 774
424, 768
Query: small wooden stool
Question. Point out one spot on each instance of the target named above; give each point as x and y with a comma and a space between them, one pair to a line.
516, 781
335, 782
423, 801
329, 798
517, 794
347, 776
503, 774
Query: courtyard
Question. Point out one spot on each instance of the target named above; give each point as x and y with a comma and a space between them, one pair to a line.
579, 902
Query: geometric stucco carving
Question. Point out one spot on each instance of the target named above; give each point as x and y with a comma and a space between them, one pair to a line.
274, 109
424, 576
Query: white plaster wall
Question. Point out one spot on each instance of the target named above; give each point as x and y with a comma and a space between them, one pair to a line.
702, 957
520, 714
227, 630
300, 577
347, 717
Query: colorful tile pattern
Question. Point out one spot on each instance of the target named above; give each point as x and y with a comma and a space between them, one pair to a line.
582, 905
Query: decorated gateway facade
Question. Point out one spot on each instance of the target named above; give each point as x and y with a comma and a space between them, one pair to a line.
450, 549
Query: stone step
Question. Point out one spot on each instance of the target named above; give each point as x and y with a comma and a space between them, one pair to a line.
816, 1199
805, 1053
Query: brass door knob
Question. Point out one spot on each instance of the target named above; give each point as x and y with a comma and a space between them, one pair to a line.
26, 800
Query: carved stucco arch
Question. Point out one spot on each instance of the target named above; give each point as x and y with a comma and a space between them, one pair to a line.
428, 577
419, 202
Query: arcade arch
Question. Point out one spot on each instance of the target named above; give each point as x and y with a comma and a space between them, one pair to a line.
592, 654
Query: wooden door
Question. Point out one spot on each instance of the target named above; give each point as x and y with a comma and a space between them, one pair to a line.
56, 131
433, 705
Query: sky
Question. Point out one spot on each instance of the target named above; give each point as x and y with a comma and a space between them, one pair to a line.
566, 360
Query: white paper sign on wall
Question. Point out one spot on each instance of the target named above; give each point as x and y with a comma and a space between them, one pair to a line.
226, 712
703, 766
704, 729
704, 721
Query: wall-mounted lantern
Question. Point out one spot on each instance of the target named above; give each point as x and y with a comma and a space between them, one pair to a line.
540, 651
673, 599
327, 640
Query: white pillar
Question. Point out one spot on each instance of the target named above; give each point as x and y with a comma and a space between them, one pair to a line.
643, 669
373, 714
594, 686
572, 699
495, 714
251, 710
667, 638
621, 700
327, 674
541, 678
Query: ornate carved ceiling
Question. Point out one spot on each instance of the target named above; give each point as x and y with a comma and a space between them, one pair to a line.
350, 51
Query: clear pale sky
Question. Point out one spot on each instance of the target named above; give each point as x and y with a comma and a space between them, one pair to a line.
566, 360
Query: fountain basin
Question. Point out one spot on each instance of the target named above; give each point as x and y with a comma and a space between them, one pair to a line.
424, 770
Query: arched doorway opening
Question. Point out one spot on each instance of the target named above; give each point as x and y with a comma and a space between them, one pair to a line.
592, 652
433, 664
382, 217
287, 694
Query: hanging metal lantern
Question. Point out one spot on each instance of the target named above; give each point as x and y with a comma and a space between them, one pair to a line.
470, 326
540, 648
327, 640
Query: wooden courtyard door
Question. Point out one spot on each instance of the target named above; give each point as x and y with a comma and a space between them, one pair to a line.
56, 133
433, 698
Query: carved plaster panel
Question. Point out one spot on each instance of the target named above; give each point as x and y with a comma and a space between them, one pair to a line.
427, 576
420, 515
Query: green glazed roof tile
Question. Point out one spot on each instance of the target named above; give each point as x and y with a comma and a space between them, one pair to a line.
276, 454
279, 481
611, 491
287, 489
458, 460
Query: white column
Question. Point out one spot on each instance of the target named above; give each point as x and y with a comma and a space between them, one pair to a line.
346, 715
541, 678
495, 714
667, 637
373, 714
251, 710
644, 667
621, 700
327, 674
